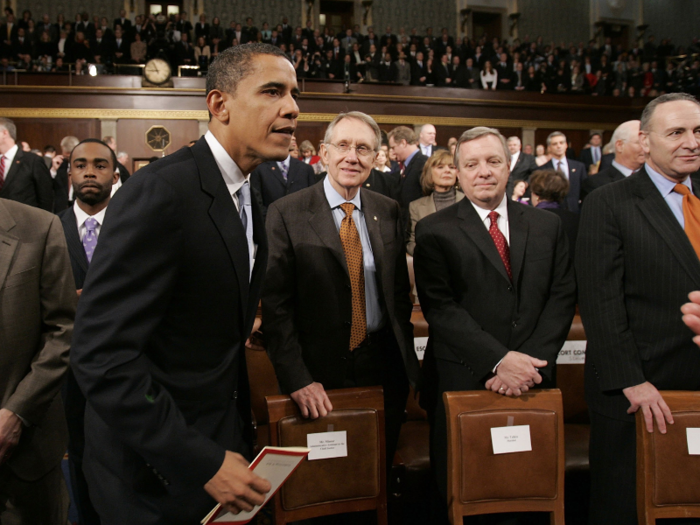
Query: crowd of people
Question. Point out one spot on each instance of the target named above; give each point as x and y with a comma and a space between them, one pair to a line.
407, 58
152, 292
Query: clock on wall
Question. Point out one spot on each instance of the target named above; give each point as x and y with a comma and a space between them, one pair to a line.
158, 138
157, 73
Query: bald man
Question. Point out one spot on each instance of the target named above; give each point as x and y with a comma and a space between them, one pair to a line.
629, 157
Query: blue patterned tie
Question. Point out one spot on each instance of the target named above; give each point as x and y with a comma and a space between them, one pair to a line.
245, 211
90, 239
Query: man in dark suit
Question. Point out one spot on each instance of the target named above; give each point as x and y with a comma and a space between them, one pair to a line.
24, 177
93, 173
629, 157
426, 140
403, 142
574, 171
159, 350
521, 164
273, 180
37, 306
593, 154
497, 316
122, 21
418, 70
333, 320
636, 262
185, 26
443, 72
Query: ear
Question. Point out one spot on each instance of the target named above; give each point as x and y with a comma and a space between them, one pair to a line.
324, 154
216, 103
115, 176
644, 141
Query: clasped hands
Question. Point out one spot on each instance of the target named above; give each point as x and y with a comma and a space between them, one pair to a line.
516, 374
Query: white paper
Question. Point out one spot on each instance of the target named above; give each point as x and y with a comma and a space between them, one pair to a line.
511, 439
572, 353
326, 445
693, 441
419, 344
275, 468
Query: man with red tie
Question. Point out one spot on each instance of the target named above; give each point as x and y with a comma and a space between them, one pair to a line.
496, 287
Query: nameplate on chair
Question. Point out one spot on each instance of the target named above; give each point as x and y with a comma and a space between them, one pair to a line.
572, 353
693, 435
419, 344
511, 439
327, 445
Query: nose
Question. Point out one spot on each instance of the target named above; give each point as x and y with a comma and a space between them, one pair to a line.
691, 139
290, 109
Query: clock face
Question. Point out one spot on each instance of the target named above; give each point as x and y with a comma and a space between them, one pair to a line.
157, 71
158, 138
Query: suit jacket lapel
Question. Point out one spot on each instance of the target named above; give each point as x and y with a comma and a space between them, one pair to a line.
472, 225
518, 238
277, 174
8, 243
322, 222
75, 246
225, 216
661, 218
12, 170
373, 222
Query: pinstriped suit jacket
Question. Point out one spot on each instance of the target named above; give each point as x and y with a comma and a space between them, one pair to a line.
635, 268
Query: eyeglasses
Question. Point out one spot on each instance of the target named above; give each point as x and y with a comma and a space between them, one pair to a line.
361, 150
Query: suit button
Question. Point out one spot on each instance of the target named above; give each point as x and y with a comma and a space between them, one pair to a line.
510, 288
348, 323
234, 395
514, 324
349, 287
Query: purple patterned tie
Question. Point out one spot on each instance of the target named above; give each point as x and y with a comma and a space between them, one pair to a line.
90, 239
284, 169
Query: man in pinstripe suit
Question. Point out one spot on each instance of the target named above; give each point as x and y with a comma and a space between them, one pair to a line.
635, 267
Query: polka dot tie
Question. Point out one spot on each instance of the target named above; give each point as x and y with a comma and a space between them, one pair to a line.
352, 246
691, 215
500, 242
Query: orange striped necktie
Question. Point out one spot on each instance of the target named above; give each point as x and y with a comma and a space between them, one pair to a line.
691, 215
352, 246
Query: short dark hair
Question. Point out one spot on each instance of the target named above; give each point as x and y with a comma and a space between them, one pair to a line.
669, 97
549, 185
234, 63
96, 141
49, 149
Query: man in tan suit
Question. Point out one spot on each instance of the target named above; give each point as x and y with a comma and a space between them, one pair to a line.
37, 307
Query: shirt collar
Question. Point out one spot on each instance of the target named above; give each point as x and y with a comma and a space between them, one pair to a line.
664, 185
622, 169
555, 162
10, 157
286, 162
410, 157
335, 199
232, 174
81, 216
501, 209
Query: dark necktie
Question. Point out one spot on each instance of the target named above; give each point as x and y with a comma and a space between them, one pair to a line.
500, 241
402, 169
691, 215
2, 171
352, 246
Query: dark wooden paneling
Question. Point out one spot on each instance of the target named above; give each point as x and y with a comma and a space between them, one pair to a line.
131, 135
43, 132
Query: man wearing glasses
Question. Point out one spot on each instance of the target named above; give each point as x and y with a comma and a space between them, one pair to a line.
336, 308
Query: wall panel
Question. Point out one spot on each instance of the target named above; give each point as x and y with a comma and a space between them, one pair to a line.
43, 132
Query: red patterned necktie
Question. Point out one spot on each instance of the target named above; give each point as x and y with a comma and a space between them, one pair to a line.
2, 171
500, 241
352, 246
402, 169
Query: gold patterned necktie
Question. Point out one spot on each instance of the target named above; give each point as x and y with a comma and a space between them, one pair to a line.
352, 246
691, 215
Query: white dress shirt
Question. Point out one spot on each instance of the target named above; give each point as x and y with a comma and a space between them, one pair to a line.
564, 166
502, 222
81, 217
9, 158
232, 175
622, 169
513, 160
